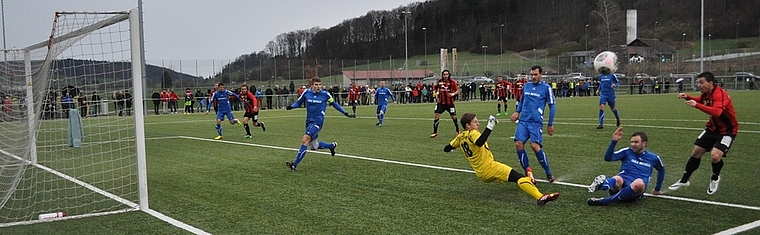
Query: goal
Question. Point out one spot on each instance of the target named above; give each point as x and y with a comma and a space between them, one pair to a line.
53, 161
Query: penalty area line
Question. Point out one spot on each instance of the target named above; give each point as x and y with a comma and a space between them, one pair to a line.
466, 171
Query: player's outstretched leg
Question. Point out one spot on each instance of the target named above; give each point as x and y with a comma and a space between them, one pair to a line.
596, 185
547, 198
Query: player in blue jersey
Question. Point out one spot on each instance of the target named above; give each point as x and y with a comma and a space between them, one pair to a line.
221, 98
381, 97
635, 170
606, 92
316, 101
536, 95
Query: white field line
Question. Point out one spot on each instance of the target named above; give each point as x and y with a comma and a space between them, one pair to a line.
740, 229
462, 170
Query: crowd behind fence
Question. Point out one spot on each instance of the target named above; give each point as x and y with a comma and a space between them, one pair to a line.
120, 103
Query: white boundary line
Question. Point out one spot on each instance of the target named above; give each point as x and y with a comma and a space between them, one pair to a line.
734, 230
460, 170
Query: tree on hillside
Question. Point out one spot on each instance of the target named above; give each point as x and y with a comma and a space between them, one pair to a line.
612, 19
166, 80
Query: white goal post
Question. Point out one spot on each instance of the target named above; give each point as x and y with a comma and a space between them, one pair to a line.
71, 143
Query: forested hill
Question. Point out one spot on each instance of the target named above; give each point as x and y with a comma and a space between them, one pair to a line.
515, 25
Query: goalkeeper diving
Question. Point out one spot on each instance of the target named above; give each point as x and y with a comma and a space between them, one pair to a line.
477, 152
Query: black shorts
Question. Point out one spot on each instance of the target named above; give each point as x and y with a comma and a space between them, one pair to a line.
708, 140
502, 98
440, 108
253, 116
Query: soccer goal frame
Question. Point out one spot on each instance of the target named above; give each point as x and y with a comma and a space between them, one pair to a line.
37, 79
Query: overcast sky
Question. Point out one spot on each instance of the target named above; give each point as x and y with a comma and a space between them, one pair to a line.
194, 29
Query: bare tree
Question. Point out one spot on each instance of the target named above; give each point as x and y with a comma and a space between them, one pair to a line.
612, 19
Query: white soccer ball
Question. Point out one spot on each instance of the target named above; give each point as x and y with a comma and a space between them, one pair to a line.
606, 59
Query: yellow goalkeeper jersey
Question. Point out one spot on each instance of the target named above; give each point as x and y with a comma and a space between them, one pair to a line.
480, 158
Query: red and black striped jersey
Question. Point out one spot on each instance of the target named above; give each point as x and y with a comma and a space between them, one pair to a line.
250, 101
445, 88
502, 88
719, 106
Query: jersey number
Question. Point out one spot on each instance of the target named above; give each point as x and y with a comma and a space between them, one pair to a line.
466, 149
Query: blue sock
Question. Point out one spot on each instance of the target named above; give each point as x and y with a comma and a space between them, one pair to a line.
608, 183
323, 145
523, 159
219, 129
381, 117
624, 194
616, 114
541, 156
299, 156
601, 117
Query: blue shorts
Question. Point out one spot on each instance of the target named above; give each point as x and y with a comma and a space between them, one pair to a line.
220, 115
627, 180
381, 107
609, 100
313, 130
529, 130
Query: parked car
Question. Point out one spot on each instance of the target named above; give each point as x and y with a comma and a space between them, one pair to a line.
620, 75
746, 76
643, 76
482, 80
576, 76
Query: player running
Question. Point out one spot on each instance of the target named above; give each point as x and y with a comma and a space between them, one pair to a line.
606, 92
251, 111
447, 88
316, 101
381, 97
221, 98
502, 94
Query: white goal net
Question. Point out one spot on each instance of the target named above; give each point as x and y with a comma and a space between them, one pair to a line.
71, 142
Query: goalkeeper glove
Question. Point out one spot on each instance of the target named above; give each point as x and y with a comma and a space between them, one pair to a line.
350, 115
289, 107
491, 122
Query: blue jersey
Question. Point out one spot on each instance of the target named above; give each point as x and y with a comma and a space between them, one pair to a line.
316, 105
533, 102
605, 85
382, 94
636, 166
222, 100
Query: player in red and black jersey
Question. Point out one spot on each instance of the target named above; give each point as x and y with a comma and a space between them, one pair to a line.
447, 88
719, 133
517, 89
502, 94
251, 111
354, 93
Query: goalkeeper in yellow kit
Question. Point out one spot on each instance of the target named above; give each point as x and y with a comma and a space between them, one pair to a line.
475, 149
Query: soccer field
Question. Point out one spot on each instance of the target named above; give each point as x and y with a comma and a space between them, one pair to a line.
395, 180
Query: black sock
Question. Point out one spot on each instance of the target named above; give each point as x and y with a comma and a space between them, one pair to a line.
691, 166
716, 169
455, 124
435, 125
247, 129
498, 108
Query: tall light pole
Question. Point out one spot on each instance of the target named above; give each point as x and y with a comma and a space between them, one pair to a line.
424, 30
586, 37
656, 23
485, 63
501, 45
737, 33
406, 48
683, 41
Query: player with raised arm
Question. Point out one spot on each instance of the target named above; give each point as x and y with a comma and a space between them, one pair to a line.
316, 101
251, 111
381, 97
530, 110
221, 98
447, 88
606, 92
477, 152
635, 171
720, 131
